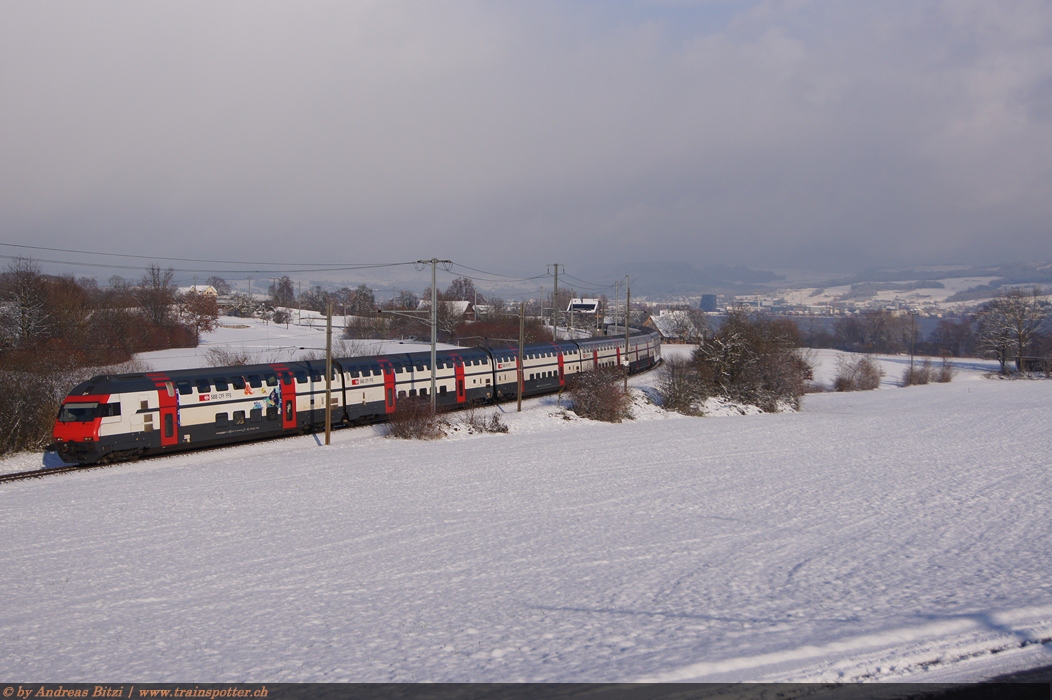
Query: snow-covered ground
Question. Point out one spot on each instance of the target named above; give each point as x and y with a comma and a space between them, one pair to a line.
899, 534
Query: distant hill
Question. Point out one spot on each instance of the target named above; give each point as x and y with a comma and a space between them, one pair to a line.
661, 278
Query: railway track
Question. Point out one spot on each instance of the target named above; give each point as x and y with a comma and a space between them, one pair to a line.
38, 473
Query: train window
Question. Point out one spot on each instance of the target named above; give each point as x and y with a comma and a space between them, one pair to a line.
423, 392
442, 390
398, 369
271, 379
144, 405
354, 372
254, 381
412, 392
108, 410
255, 415
78, 412
184, 388
222, 419
301, 376
237, 382
272, 412
220, 384
376, 370
421, 368
401, 394
204, 386
169, 425
315, 376
239, 417
286, 378
289, 410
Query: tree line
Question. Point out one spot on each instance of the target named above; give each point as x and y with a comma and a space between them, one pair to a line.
58, 330
1015, 328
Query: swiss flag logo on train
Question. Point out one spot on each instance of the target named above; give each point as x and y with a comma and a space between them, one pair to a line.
354, 381
204, 397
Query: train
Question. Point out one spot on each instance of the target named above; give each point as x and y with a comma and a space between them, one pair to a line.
120, 417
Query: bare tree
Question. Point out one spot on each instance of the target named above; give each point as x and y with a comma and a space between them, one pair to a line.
199, 311
282, 291
156, 295
24, 290
463, 289
219, 284
1011, 322
362, 301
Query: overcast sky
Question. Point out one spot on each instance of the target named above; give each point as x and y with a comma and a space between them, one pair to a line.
506, 135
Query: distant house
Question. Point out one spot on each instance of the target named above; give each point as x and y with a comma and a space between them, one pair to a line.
583, 306
203, 289
456, 309
674, 326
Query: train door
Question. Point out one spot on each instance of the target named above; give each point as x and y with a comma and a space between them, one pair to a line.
458, 365
618, 350
168, 402
562, 371
288, 396
390, 395
595, 359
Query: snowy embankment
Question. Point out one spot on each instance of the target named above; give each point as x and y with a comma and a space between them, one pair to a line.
900, 534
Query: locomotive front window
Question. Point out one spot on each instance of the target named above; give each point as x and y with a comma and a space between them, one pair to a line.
78, 412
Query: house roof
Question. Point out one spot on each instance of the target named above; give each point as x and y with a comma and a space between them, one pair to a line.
673, 324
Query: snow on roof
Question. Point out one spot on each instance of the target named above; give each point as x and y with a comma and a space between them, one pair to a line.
457, 307
587, 306
673, 324
206, 289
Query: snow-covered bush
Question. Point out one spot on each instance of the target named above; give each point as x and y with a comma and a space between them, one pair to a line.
755, 360
600, 395
414, 419
863, 374
474, 418
945, 373
219, 356
681, 386
918, 374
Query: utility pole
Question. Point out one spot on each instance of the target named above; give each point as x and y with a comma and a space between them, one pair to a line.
299, 303
628, 303
913, 340
522, 336
555, 296
617, 296
328, 372
433, 262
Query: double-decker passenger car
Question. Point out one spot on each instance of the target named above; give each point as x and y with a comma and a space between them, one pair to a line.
115, 417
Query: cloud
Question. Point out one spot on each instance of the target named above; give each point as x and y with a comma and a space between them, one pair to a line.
761, 133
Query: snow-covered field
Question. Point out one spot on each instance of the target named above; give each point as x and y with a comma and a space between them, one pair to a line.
899, 534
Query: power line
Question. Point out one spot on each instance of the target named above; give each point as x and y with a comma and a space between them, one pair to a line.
116, 266
346, 266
